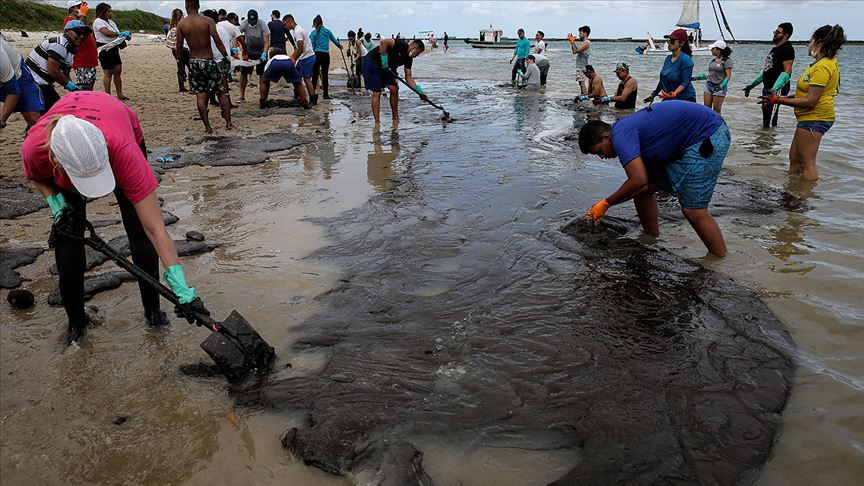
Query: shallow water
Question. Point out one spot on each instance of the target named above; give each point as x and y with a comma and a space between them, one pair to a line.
806, 266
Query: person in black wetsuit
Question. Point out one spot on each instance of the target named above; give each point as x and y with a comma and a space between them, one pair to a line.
379, 71
776, 72
628, 89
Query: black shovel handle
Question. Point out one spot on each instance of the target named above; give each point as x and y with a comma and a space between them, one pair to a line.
98, 244
427, 100
350, 74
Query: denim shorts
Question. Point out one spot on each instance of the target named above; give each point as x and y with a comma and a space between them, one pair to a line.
693, 177
714, 89
820, 127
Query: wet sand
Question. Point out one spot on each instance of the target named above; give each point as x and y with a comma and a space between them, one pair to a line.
65, 403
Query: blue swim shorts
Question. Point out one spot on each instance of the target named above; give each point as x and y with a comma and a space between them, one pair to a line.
30, 99
304, 67
820, 127
281, 68
693, 177
375, 77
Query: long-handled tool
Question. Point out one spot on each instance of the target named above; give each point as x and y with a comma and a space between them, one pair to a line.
350, 73
445, 116
236, 348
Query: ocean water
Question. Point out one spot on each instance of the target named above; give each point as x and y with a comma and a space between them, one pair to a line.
808, 267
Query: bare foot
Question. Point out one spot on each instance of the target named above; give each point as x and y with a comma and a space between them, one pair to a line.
229, 126
207, 129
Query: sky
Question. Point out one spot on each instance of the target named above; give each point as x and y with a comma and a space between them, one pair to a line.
749, 19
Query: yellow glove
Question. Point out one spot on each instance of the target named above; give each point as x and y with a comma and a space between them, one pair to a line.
597, 211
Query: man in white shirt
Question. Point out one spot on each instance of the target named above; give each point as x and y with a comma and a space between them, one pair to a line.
540, 56
231, 26
303, 55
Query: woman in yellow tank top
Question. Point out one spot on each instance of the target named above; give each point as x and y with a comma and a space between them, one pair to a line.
814, 100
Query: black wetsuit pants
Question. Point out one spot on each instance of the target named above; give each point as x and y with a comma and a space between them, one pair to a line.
321, 68
358, 73
71, 258
767, 120
182, 66
519, 65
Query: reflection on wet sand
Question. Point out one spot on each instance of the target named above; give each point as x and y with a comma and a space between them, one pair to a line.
379, 162
789, 239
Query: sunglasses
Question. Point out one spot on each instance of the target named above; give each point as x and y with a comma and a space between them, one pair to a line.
81, 32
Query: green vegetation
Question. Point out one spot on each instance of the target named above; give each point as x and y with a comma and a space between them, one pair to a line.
35, 16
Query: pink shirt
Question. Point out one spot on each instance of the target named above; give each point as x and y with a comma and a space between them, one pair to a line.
122, 132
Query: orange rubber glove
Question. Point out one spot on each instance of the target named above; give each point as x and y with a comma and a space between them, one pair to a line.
571, 38
597, 211
668, 96
770, 100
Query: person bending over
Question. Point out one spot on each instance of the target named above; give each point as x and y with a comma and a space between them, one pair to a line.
677, 147
88, 145
379, 71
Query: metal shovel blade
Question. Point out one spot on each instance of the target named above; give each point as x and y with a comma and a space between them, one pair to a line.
238, 351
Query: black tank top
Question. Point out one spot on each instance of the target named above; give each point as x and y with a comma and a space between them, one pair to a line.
630, 102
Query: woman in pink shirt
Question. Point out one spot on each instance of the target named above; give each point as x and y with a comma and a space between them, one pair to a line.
88, 145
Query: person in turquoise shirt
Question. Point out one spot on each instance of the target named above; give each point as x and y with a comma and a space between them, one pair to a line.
677, 70
321, 38
523, 48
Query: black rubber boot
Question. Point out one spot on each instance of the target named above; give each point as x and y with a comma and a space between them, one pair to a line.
75, 333
157, 319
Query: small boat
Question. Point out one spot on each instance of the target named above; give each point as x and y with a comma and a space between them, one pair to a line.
689, 21
492, 38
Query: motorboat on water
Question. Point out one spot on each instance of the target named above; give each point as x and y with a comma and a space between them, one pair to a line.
492, 38
690, 22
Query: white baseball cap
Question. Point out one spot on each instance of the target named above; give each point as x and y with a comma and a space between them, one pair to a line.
73, 3
719, 44
80, 148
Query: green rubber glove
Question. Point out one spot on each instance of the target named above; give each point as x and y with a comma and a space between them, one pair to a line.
781, 81
57, 203
756, 81
700, 77
419, 89
385, 63
724, 83
177, 281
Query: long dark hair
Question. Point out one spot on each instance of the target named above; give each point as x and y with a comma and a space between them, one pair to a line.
685, 48
176, 15
725, 52
831, 38
318, 22
102, 9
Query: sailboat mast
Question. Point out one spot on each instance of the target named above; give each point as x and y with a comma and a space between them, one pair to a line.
725, 21
717, 18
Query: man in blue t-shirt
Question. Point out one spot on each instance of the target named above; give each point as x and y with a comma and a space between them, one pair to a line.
674, 146
523, 48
